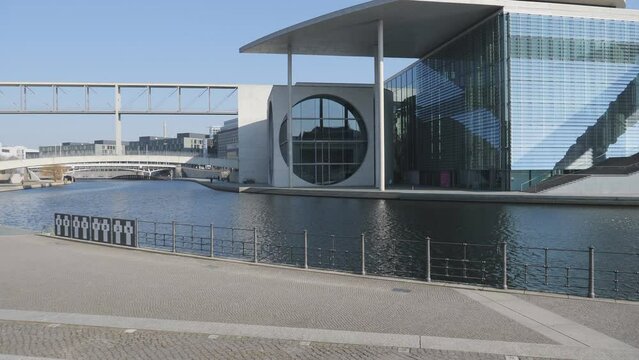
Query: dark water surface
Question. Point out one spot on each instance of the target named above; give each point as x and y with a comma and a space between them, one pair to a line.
613, 229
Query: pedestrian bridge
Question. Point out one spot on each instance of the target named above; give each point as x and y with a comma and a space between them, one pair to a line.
132, 161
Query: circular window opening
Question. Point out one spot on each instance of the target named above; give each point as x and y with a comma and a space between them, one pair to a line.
329, 140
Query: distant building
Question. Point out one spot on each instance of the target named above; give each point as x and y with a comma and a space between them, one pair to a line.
98, 147
227, 140
184, 142
16, 152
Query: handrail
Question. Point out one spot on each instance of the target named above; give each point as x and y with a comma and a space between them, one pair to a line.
496, 264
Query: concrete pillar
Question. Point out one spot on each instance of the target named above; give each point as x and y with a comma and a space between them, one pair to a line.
289, 116
118, 122
380, 176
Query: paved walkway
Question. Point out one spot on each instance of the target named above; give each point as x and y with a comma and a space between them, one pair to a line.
183, 307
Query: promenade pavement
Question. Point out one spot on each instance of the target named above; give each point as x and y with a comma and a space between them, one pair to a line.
63, 299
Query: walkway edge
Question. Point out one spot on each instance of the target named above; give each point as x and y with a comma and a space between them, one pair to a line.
227, 329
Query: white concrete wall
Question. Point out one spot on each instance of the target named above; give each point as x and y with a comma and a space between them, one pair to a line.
600, 185
253, 132
359, 96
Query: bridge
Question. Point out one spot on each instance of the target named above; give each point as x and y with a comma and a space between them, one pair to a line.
133, 164
117, 99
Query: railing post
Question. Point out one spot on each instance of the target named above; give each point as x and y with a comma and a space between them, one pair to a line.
305, 249
173, 226
137, 232
428, 279
591, 277
255, 245
504, 250
212, 242
363, 254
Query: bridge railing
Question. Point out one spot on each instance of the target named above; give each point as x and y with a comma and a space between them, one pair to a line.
581, 272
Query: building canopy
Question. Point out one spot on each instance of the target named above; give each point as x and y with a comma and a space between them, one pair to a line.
412, 28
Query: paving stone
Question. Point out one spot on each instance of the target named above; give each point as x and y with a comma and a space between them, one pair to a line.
82, 342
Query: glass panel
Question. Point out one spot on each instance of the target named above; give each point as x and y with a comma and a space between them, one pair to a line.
297, 130
334, 129
310, 127
337, 173
308, 153
332, 109
309, 109
336, 153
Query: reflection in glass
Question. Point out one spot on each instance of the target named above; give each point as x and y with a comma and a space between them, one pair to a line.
329, 140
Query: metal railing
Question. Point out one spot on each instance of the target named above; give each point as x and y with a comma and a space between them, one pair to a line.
502, 265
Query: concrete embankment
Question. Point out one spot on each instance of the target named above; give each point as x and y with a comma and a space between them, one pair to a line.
504, 197
27, 186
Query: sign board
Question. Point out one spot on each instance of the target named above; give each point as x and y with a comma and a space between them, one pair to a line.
121, 232
62, 224
101, 229
80, 226
124, 232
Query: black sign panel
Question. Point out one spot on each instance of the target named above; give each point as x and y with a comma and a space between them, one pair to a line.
101, 229
124, 232
62, 224
80, 227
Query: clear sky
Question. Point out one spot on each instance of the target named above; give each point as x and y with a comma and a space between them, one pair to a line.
186, 41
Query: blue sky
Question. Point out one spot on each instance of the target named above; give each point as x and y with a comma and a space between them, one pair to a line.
187, 41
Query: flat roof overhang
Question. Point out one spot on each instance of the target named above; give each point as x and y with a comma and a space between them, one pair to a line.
412, 28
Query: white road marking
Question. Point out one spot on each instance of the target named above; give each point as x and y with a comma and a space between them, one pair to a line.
555, 327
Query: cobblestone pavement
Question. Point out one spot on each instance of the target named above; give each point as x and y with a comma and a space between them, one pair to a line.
82, 342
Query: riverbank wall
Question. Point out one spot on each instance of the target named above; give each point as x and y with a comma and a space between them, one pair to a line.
504, 197
11, 187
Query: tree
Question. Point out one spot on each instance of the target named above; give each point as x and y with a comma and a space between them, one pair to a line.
55, 172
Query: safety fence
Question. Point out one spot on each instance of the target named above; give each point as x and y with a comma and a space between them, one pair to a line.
572, 271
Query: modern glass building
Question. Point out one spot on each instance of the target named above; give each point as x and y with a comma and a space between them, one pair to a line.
516, 99
505, 94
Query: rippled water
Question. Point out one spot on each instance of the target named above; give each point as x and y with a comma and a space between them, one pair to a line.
560, 226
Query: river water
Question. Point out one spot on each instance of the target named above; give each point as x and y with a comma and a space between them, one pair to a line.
525, 228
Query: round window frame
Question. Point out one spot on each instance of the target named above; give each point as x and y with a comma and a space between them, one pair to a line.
357, 117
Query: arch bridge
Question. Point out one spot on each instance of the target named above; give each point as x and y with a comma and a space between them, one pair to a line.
147, 165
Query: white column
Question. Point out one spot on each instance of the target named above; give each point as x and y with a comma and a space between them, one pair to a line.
289, 116
380, 176
118, 122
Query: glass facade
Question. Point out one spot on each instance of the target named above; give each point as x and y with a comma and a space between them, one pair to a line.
516, 99
573, 91
450, 114
329, 140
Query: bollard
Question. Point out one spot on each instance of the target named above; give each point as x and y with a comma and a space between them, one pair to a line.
305, 249
173, 226
363, 255
505, 265
591, 277
212, 242
428, 279
255, 245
